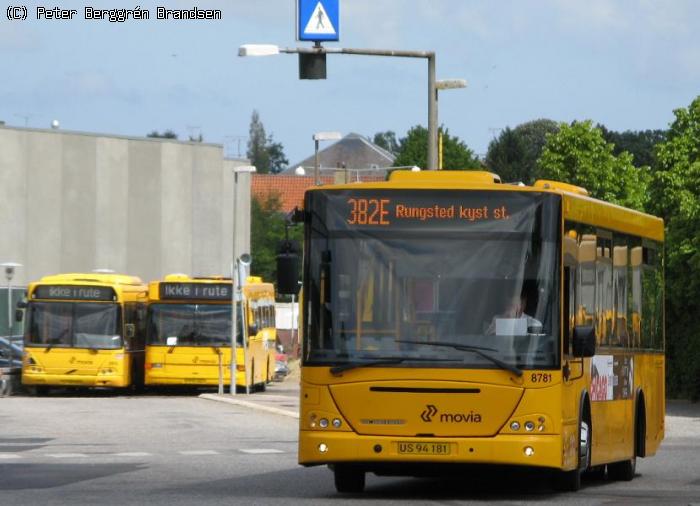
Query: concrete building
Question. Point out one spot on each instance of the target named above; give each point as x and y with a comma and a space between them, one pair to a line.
73, 201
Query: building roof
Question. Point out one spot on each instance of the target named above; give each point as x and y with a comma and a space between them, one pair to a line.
352, 152
291, 188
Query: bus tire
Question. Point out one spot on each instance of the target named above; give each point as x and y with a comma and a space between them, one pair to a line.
348, 479
623, 470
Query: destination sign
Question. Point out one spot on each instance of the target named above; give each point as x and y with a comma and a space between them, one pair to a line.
457, 210
73, 292
198, 291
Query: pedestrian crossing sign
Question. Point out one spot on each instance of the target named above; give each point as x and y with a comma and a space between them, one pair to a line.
318, 20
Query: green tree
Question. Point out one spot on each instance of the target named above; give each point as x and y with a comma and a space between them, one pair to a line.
675, 195
514, 155
640, 144
278, 162
506, 156
263, 152
167, 134
578, 154
266, 232
386, 140
413, 150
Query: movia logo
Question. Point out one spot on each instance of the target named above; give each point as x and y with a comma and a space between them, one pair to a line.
430, 411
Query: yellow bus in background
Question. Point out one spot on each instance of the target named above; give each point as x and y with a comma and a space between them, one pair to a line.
84, 330
259, 303
412, 362
188, 338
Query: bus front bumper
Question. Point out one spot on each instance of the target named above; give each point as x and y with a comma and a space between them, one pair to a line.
318, 448
66, 380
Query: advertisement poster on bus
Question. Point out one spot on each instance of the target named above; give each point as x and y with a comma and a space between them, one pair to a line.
612, 377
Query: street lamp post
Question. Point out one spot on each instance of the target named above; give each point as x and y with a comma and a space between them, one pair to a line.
271, 49
445, 84
322, 136
235, 282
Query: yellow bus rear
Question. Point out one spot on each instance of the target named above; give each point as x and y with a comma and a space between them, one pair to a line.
84, 330
410, 360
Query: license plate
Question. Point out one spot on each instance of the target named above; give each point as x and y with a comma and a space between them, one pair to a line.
411, 448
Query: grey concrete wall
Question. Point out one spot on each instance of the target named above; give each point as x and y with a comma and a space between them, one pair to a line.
75, 202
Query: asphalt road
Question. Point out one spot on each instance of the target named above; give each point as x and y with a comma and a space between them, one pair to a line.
104, 449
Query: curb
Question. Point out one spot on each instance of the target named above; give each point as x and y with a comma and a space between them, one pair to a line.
248, 404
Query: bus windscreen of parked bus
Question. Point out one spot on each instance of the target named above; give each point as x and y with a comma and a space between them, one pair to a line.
409, 277
190, 325
74, 325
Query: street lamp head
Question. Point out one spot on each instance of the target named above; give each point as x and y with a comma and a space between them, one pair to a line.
258, 50
10, 269
450, 84
299, 171
327, 136
245, 169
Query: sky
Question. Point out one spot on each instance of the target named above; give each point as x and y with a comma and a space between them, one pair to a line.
626, 64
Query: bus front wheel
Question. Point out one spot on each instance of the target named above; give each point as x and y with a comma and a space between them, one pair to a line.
348, 479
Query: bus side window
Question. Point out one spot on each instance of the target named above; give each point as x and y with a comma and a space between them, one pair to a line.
620, 263
570, 248
604, 288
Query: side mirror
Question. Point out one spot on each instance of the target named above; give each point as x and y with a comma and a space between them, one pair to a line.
21, 304
584, 341
288, 267
19, 315
130, 330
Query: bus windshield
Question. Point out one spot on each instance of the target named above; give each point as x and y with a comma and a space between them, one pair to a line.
407, 276
191, 325
74, 325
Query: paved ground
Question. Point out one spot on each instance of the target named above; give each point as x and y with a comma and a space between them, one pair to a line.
171, 449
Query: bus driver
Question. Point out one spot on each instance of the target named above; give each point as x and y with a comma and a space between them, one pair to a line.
513, 320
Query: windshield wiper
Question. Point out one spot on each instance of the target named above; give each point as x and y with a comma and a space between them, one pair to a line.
479, 350
338, 369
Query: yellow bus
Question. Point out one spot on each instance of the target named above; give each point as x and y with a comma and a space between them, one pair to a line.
84, 330
189, 333
259, 303
412, 363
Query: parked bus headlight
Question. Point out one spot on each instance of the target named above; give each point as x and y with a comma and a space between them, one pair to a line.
529, 426
323, 423
515, 425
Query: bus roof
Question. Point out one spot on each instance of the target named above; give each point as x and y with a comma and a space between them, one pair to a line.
123, 285
91, 278
577, 204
